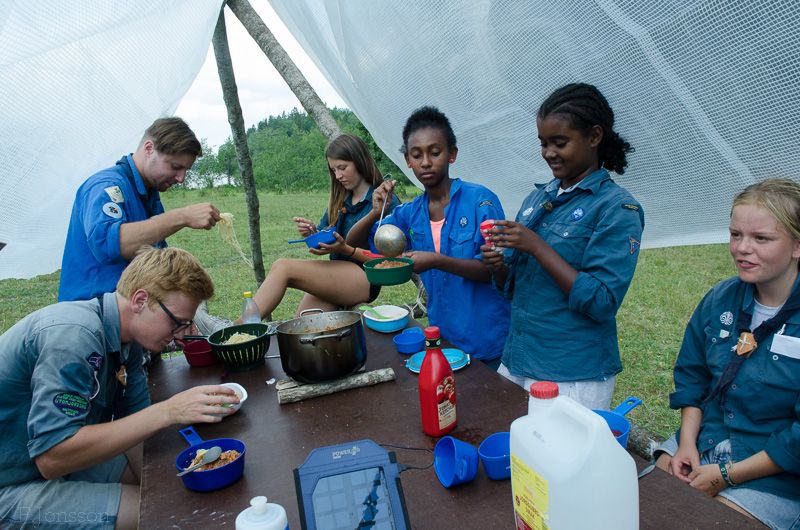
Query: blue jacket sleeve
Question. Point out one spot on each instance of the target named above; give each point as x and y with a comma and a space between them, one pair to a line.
691, 373
101, 219
609, 262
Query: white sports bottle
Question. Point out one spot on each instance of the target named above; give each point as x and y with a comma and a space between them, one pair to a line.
567, 469
262, 516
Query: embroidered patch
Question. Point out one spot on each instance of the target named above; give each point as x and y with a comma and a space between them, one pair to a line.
726, 318
485, 203
577, 213
630, 207
95, 359
634, 244
462, 222
71, 404
112, 210
528, 211
115, 194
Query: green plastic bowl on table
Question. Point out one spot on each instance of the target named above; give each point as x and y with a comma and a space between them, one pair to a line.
390, 276
242, 356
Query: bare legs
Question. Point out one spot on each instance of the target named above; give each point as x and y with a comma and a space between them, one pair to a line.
328, 284
128, 513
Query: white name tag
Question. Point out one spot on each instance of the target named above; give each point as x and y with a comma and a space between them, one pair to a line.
786, 345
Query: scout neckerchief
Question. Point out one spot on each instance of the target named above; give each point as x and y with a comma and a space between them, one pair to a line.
748, 342
545, 208
150, 208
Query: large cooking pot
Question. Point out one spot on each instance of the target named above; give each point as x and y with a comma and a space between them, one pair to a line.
322, 346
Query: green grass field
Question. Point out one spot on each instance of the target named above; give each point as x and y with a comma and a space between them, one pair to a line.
668, 284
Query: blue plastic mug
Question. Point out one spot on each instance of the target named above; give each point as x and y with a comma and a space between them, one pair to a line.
455, 461
616, 419
495, 453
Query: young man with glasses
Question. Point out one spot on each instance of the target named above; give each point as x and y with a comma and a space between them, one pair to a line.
76, 406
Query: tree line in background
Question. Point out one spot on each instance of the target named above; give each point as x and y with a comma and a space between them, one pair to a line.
288, 155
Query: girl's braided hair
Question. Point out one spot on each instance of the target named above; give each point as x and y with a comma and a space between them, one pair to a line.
586, 107
425, 117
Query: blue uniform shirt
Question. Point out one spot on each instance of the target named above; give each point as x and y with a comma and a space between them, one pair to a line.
555, 337
469, 314
92, 263
354, 213
57, 373
762, 406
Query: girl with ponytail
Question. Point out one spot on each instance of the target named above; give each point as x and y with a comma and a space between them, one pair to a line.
568, 259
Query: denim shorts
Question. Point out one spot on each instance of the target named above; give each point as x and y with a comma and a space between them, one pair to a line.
778, 513
85, 499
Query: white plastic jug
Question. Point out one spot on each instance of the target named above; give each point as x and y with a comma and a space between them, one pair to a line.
262, 516
567, 470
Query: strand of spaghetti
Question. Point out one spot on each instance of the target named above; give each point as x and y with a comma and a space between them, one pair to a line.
225, 227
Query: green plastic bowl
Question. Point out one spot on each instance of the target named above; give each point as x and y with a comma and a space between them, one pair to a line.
391, 276
244, 355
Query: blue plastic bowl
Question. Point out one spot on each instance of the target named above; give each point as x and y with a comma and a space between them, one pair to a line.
323, 236
211, 479
409, 342
397, 321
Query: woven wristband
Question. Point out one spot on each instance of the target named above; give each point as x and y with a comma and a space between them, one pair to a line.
353, 253
724, 470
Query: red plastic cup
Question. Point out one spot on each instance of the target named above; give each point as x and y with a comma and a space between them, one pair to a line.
486, 225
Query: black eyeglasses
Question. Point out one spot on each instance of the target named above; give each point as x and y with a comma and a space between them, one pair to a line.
181, 326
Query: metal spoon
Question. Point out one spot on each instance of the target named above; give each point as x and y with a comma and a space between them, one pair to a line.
368, 308
209, 456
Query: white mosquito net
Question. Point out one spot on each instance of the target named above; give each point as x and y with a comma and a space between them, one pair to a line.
79, 84
706, 91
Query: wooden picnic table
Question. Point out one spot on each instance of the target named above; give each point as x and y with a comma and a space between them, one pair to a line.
280, 437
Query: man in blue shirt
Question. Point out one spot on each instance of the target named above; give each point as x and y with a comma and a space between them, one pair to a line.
77, 408
118, 210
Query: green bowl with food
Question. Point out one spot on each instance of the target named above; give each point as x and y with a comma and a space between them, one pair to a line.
241, 348
389, 271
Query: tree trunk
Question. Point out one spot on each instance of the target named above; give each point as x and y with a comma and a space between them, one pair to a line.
291, 74
235, 118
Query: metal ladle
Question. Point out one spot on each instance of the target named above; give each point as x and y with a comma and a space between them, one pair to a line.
389, 240
209, 456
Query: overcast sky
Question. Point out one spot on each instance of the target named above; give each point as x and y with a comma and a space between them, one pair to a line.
262, 91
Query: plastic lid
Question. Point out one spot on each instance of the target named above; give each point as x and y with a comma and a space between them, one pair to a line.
248, 294
262, 516
544, 390
259, 504
432, 332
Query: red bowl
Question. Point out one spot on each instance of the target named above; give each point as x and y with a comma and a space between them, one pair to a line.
198, 353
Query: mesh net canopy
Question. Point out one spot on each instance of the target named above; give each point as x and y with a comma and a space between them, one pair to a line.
706, 91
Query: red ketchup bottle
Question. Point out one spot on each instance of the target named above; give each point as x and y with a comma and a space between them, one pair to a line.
437, 388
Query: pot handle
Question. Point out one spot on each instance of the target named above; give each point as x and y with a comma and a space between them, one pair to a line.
304, 311
343, 334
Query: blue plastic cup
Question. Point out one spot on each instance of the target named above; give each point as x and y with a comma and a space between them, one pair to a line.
619, 425
455, 461
495, 453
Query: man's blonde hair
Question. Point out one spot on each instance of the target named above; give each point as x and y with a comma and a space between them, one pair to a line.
161, 271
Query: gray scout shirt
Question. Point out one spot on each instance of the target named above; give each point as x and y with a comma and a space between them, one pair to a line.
58, 372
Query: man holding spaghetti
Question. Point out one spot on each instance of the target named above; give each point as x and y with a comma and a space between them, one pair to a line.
118, 209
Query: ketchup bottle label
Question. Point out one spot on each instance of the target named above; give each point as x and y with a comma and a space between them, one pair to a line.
446, 398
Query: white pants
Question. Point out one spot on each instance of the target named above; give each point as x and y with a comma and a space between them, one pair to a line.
595, 395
